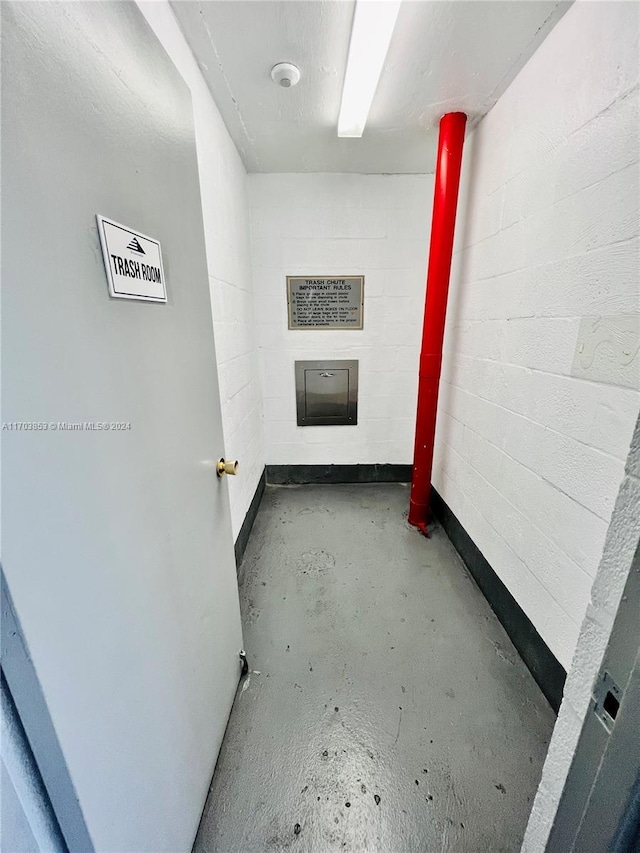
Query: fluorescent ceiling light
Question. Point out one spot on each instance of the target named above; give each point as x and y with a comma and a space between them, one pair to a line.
373, 24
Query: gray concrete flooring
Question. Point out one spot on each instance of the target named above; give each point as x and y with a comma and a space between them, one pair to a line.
387, 710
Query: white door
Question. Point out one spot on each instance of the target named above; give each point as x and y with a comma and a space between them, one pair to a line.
117, 545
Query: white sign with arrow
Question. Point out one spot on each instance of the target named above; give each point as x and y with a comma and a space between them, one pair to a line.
133, 262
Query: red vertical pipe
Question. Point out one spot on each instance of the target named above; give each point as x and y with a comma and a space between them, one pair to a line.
445, 202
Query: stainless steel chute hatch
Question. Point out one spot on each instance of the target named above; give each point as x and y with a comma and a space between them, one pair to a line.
327, 392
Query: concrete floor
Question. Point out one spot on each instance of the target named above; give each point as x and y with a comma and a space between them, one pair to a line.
386, 710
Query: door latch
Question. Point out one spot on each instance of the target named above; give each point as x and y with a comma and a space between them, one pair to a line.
607, 697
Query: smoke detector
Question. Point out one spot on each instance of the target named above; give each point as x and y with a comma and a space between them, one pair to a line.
285, 74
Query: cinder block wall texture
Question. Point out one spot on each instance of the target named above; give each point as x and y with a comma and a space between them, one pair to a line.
539, 390
342, 224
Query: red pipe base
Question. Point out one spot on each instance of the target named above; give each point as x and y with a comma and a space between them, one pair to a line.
445, 201
422, 527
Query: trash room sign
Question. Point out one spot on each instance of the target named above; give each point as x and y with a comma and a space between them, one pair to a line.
133, 262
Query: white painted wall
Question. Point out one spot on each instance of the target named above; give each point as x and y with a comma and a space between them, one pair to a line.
337, 224
223, 185
620, 546
534, 425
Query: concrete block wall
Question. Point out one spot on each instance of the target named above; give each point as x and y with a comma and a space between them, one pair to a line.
223, 185
539, 390
620, 547
340, 224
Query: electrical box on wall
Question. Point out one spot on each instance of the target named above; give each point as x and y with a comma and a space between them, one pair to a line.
327, 393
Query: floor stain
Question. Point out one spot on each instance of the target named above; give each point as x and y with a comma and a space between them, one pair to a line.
316, 562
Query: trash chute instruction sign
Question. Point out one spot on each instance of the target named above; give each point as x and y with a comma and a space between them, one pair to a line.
326, 302
133, 262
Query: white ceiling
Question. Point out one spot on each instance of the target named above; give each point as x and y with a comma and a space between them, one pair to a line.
444, 55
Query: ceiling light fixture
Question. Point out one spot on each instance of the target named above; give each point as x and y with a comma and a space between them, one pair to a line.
373, 24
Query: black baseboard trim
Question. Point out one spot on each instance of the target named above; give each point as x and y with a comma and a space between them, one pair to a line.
250, 517
540, 660
298, 475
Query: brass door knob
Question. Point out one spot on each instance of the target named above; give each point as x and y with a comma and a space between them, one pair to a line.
227, 466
